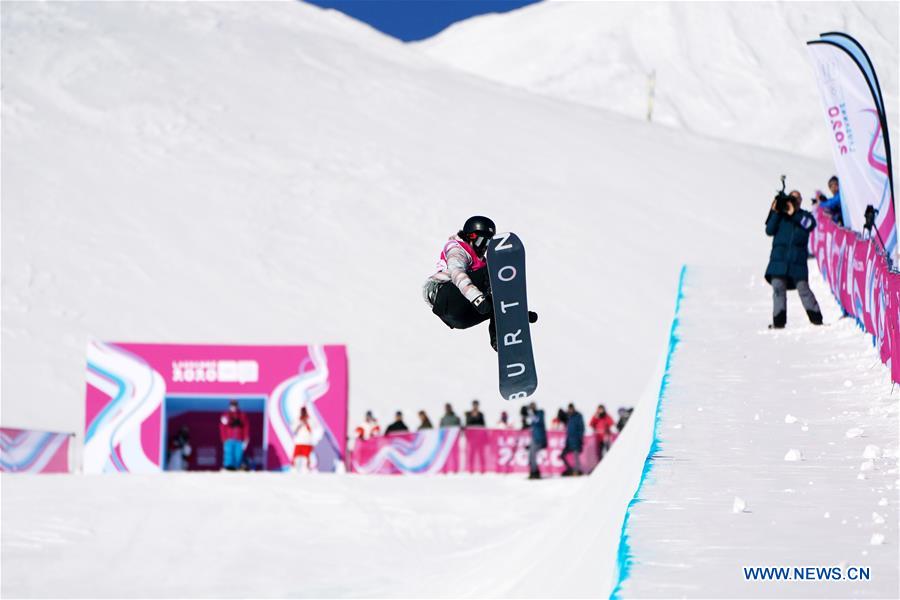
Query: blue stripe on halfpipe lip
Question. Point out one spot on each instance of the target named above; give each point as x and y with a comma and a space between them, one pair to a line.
624, 557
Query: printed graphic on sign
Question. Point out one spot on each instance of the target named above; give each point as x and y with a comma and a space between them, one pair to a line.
140, 397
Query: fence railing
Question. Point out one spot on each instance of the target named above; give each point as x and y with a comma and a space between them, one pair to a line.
29, 451
470, 450
858, 274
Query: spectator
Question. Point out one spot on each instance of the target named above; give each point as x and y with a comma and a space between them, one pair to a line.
475, 418
180, 450
398, 425
424, 421
832, 205
303, 443
787, 268
504, 423
538, 439
369, 428
524, 413
450, 419
558, 423
602, 424
624, 415
574, 441
234, 431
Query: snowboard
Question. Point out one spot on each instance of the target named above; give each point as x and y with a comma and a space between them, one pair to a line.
506, 269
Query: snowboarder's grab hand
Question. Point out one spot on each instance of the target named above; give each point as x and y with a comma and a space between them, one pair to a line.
483, 305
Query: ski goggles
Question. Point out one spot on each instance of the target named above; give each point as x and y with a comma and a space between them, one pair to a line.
479, 242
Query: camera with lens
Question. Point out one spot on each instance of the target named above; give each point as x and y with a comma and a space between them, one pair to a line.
869, 216
782, 199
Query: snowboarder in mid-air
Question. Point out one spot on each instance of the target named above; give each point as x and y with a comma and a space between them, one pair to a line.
459, 289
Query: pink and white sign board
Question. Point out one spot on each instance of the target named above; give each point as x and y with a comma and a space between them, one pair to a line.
29, 451
857, 272
472, 450
127, 386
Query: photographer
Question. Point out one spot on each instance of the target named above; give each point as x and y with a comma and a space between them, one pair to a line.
789, 225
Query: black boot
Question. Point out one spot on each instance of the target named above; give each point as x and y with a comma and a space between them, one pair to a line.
815, 317
779, 321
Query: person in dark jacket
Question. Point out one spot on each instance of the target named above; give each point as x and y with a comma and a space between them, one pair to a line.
787, 268
398, 426
180, 450
538, 439
574, 440
624, 415
474, 417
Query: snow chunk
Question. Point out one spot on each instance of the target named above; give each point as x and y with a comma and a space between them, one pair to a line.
804, 427
877, 539
854, 433
848, 383
793, 455
790, 419
827, 515
867, 466
756, 417
877, 519
883, 502
872, 451
739, 505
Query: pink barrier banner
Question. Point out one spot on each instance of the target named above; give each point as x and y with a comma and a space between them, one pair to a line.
857, 272
471, 450
28, 451
134, 390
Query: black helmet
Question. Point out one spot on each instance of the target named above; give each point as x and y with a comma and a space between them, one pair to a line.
477, 231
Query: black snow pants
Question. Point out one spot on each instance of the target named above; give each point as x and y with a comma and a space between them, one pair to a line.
458, 313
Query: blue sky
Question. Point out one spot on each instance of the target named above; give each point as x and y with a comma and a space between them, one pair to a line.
417, 19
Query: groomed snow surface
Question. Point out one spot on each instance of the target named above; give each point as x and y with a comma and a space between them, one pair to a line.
270, 535
774, 449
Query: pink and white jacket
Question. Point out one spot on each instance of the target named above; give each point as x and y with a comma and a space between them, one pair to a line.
457, 260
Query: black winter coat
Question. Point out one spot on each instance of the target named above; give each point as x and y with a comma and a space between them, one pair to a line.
789, 246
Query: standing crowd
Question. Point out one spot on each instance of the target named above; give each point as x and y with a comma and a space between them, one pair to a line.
601, 424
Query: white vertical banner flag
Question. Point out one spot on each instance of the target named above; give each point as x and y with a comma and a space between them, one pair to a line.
851, 111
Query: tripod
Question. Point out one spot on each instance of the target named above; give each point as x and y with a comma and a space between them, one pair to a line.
869, 225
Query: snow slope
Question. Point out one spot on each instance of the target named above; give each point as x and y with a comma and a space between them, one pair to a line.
499, 536
323, 536
276, 173
267, 535
731, 70
739, 401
